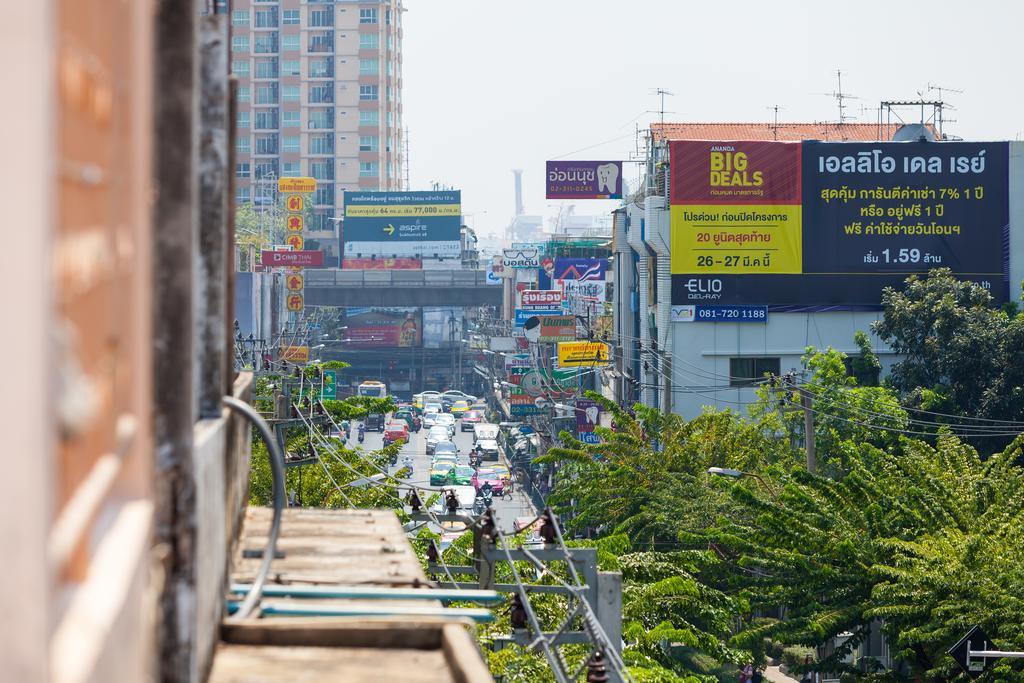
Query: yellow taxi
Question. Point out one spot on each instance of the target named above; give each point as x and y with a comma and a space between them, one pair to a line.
459, 408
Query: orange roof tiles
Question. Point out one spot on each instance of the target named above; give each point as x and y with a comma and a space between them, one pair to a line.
854, 132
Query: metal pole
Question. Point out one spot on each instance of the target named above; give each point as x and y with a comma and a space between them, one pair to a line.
808, 403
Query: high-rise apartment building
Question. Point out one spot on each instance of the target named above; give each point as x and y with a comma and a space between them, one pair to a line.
319, 94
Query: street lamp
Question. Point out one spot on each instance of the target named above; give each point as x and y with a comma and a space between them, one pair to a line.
739, 474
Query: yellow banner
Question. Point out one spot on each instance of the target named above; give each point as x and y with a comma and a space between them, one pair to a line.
295, 354
582, 353
736, 239
388, 210
296, 184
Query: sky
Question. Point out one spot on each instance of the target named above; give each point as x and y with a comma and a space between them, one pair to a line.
492, 86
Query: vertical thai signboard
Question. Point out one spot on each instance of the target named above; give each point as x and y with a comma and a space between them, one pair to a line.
294, 223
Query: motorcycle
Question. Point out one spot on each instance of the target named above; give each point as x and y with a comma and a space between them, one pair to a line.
487, 498
362, 433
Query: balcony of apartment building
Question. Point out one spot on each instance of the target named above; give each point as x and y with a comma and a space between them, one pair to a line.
321, 67
320, 42
265, 18
266, 68
266, 42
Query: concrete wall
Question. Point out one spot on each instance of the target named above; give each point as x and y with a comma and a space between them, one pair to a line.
221, 466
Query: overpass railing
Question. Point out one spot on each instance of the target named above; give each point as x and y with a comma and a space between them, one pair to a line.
395, 278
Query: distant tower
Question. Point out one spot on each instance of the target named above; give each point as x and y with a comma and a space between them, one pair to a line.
519, 190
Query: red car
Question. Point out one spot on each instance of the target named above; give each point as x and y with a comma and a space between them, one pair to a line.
488, 475
394, 431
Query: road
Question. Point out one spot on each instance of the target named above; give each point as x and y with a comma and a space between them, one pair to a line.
505, 510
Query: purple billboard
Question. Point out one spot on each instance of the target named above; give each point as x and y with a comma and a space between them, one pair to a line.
584, 179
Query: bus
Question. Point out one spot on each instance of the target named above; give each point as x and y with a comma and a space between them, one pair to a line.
373, 389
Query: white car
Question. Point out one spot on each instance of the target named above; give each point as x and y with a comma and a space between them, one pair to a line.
437, 434
465, 494
430, 416
448, 420
488, 448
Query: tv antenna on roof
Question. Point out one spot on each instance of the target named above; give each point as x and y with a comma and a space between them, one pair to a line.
662, 92
775, 124
840, 96
941, 119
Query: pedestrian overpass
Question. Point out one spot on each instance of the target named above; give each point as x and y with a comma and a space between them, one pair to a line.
400, 288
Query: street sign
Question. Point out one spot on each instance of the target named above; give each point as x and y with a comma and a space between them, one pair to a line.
295, 282
330, 390
308, 259
296, 302
294, 223
294, 202
582, 354
296, 241
976, 639
296, 185
295, 354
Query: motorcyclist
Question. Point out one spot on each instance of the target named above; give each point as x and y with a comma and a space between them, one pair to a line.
486, 493
407, 462
362, 432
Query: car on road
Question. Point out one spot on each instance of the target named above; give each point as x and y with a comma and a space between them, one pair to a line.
446, 448
436, 434
409, 417
466, 496
462, 475
446, 420
459, 408
455, 395
374, 422
396, 430
469, 419
485, 430
444, 457
485, 474
439, 473
501, 471
488, 449
430, 416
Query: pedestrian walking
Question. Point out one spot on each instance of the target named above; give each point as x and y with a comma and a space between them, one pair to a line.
747, 673
757, 677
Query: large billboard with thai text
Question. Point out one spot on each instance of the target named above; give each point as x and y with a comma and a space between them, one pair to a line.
815, 224
402, 224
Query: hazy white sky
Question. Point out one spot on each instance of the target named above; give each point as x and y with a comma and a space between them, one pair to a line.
491, 86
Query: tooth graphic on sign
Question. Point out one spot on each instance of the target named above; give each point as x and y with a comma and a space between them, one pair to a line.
592, 412
607, 175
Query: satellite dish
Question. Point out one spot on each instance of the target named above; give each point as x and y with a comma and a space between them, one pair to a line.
531, 329
913, 132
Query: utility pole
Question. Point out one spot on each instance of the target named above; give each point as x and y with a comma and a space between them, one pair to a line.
808, 403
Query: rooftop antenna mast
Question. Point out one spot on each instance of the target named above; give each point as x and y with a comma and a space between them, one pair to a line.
932, 87
840, 97
775, 122
662, 92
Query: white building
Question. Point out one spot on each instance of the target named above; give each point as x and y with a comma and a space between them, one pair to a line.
687, 365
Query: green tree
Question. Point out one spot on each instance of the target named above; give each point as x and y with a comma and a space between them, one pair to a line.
961, 355
927, 540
